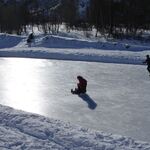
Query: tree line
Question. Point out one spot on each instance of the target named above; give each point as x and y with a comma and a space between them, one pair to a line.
120, 17
115, 18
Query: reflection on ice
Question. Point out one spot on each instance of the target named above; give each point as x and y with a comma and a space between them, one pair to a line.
22, 81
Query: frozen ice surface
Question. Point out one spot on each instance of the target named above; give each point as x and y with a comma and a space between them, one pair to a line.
117, 99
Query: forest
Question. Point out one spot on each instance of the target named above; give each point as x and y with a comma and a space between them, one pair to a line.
116, 18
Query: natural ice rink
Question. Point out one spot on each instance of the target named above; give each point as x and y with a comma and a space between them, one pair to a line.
117, 100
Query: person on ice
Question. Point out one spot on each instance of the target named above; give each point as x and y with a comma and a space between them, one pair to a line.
147, 61
81, 86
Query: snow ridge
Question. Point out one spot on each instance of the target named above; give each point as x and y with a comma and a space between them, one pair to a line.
30, 131
65, 48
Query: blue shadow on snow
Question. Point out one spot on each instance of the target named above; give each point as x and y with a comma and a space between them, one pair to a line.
91, 103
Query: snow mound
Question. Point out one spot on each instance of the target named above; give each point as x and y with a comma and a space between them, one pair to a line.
8, 41
22, 130
72, 48
52, 41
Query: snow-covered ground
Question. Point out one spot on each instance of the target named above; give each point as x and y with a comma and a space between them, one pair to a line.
71, 48
22, 130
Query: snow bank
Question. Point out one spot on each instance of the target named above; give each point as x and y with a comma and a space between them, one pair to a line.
122, 57
65, 48
21, 130
7, 41
53, 41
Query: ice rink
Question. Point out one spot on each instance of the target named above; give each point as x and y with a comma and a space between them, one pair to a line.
117, 100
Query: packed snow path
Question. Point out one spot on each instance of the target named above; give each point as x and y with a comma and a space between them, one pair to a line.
117, 100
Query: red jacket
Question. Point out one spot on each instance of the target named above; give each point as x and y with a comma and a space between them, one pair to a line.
82, 84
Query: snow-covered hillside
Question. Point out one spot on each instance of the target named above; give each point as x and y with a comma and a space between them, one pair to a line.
70, 48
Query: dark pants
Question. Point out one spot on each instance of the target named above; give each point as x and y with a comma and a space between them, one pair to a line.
148, 68
79, 91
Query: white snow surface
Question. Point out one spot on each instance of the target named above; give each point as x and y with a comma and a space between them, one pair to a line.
71, 48
27, 131
20, 131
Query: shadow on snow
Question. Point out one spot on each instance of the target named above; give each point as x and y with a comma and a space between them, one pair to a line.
91, 103
61, 42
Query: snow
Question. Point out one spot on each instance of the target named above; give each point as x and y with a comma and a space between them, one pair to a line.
56, 47
23, 130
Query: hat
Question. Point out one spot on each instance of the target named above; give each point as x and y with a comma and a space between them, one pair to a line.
79, 77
